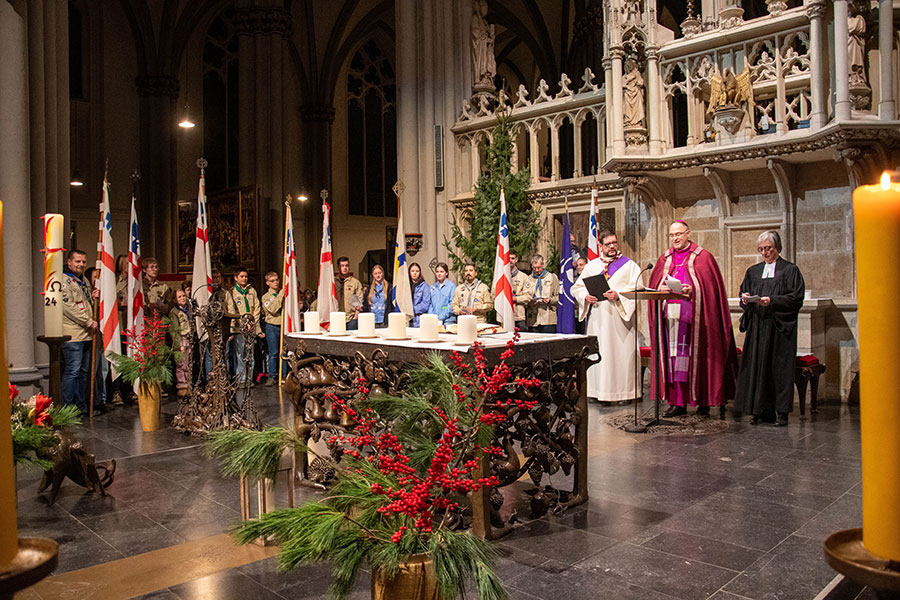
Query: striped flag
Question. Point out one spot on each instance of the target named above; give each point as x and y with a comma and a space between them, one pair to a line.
593, 229
201, 277
326, 298
502, 287
134, 295
565, 310
106, 265
291, 313
401, 289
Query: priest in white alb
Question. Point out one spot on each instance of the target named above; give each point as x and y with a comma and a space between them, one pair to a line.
611, 318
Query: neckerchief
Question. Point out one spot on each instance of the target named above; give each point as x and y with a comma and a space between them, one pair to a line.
538, 287
244, 292
608, 261
470, 301
84, 286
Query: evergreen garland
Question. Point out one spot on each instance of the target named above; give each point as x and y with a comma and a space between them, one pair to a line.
473, 237
34, 426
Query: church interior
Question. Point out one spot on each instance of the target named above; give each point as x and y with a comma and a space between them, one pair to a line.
735, 117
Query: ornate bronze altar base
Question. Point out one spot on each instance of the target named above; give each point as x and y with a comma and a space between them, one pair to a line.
36, 559
846, 554
552, 437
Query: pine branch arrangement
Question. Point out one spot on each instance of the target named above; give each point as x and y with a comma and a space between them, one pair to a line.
407, 465
153, 358
34, 426
473, 237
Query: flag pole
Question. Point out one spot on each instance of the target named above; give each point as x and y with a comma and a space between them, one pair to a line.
287, 212
95, 306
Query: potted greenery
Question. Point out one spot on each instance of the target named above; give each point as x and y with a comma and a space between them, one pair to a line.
149, 365
398, 500
35, 423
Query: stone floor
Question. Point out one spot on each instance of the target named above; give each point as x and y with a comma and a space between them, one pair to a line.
729, 516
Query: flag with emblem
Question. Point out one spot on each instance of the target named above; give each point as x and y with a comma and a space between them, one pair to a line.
106, 266
326, 297
593, 229
565, 311
201, 277
401, 289
134, 292
502, 286
291, 313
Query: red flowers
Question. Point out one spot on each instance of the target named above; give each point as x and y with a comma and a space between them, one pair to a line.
424, 497
41, 416
13, 391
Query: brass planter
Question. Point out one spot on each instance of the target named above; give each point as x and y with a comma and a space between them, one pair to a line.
148, 402
414, 581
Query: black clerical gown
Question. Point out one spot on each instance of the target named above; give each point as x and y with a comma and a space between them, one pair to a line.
765, 383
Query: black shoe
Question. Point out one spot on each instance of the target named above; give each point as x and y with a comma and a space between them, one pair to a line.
782, 420
754, 420
675, 411
702, 411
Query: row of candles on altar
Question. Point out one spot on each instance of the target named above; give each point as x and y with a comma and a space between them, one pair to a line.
429, 326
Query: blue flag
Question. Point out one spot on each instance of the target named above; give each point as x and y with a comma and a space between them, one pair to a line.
565, 312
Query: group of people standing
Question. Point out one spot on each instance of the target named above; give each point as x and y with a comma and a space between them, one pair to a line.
696, 360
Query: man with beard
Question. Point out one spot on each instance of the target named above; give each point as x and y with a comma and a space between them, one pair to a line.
542, 289
611, 319
696, 355
472, 297
520, 299
79, 324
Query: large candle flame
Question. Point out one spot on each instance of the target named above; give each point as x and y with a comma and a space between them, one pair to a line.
885, 181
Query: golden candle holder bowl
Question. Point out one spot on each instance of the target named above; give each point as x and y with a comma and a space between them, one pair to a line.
846, 554
36, 559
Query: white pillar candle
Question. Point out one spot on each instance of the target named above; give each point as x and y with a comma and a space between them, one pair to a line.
397, 325
53, 273
467, 329
311, 322
428, 327
366, 324
338, 323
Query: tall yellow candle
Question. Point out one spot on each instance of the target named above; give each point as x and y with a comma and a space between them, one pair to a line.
876, 212
9, 535
53, 273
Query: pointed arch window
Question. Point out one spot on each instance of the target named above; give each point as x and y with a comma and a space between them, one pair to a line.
220, 102
372, 132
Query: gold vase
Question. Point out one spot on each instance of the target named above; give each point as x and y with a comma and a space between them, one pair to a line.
414, 581
148, 402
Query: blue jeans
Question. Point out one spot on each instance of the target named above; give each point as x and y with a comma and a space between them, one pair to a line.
273, 344
234, 350
352, 324
101, 370
76, 357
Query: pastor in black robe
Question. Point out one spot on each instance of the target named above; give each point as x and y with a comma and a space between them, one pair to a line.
766, 379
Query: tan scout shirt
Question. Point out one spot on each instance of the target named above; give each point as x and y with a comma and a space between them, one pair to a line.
352, 287
78, 310
476, 297
542, 314
271, 306
520, 298
234, 304
157, 292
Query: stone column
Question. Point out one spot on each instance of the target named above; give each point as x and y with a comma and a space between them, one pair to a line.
15, 193
618, 116
841, 67
886, 108
576, 151
653, 101
408, 110
535, 158
158, 98
607, 84
476, 162
554, 152
818, 82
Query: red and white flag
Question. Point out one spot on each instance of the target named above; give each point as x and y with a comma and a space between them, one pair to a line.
593, 233
326, 298
502, 287
134, 294
291, 314
201, 278
106, 266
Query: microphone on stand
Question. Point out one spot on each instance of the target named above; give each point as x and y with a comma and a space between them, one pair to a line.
637, 427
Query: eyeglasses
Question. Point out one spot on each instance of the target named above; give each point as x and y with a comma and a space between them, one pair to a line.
762, 249
612, 243
679, 234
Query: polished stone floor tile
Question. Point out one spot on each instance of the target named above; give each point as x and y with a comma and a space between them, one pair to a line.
270, 576
225, 585
165, 594
732, 530
844, 513
552, 540
579, 584
659, 571
130, 532
713, 552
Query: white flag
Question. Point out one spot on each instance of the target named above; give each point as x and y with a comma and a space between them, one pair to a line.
401, 290
502, 287
134, 295
326, 298
106, 265
291, 314
201, 278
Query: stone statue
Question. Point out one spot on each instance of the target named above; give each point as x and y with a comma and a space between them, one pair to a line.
856, 47
484, 62
633, 88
